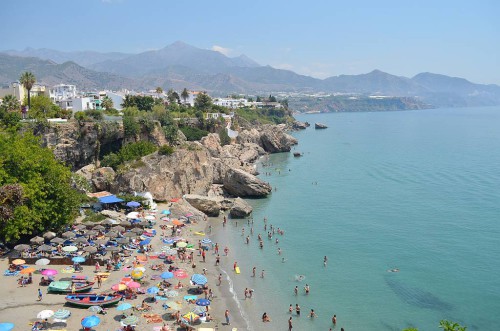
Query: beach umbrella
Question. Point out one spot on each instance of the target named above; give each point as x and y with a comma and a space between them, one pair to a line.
133, 284
166, 275
90, 249
70, 248
153, 290
189, 215
145, 242
137, 230
45, 248
79, 227
95, 309
123, 240
144, 223
130, 234
49, 272
112, 248
81, 240
45, 314
18, 262
170, 251
199, 310
124, 306
22, 247
177, 222
171, 294
78, 259
150, 217
118, 228
133, 204
166, 212
206, 241
125, 223
49, 235
140, 269
57, 240
68, 235
132, 215
180, 274
202, 302
136, 274
191, 317
109, 221
125, 280
62, 314
101, 241
42, 262
181, 244
119, 287
6, 326
199, 279
112, 234
99, 227
28, 270
130, 320
37, 240
88, 223
90, 232
90, 321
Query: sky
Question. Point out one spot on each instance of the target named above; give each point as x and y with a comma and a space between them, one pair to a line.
316, 38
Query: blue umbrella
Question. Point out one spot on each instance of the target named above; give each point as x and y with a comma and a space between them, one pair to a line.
203, 302
167, 275
6, 326
153, 290
78, 259
133, 204
90, 321
166, 212
145, 242
199, 279
206, 241
124, 306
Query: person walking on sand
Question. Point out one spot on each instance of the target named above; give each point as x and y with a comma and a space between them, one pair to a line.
219, 279
226, 315
253, 272
290, 326
217, 259
39, 295
216, 248
235, 265
226, 250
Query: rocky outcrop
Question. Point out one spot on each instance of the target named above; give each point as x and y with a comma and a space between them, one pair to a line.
272, 138
102, 178
182, 208
320, 126
208, 205
296, 125
240, 208
240, 183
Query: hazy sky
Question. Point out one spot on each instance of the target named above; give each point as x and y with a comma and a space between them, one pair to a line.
317, 38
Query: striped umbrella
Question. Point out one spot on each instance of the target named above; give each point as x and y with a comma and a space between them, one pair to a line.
191, 317
118, 287
199, 279
42, 262
202, 302
206, 241
130, 320
62, 314
199, 310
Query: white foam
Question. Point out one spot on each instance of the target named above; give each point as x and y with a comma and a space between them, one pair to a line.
235, 298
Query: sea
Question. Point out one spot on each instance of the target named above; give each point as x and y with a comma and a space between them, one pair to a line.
405, 206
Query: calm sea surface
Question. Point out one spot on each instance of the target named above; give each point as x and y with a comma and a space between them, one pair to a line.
418, 191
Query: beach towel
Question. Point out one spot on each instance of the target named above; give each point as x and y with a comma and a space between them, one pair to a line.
190, 297
160, 298
68, 270
10, 273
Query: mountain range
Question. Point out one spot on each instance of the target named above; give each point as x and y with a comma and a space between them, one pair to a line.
180, 65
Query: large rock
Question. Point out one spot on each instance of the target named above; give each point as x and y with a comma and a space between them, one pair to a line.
297, 125
182, 208
102, 178
240, 208
242, 184
212, 143
208, 205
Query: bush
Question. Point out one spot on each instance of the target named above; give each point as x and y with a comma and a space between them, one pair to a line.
95, 114
131, 127
111, 112
193, 134
129, 152
80, 116
224, 138
166, 150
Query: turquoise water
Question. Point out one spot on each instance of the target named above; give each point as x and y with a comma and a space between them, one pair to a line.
418, 191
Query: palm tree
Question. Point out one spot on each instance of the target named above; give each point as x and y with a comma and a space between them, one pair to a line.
107, 102
10, 103
185, 94
27, 79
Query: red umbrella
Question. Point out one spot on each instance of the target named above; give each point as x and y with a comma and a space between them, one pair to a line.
133, 285
180, 274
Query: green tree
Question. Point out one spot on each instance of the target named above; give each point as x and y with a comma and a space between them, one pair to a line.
173, 97
451, 326
44, 199
185, 95
258, 99
144, 103
107, 103
128, 101
10, 103
159, 91
131, 127
27, 79
43, 107
203, 102
224, 138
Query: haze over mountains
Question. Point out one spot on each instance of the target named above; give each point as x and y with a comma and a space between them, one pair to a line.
180, 65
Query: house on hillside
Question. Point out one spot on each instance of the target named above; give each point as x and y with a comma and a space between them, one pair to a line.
17, 89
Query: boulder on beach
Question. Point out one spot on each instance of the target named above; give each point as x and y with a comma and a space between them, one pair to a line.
240, 209
240, 183
208, 205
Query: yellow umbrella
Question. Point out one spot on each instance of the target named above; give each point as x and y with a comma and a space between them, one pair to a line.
181, 244
191, 317
18, 262
136, 274
27, 270
119, 287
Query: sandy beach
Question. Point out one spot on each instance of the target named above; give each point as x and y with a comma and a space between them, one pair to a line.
19, 305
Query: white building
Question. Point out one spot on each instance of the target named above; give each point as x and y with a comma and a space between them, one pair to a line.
62, 92
81, 104
117, 98
231, 103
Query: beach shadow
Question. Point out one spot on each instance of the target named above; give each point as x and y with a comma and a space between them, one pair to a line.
119, 317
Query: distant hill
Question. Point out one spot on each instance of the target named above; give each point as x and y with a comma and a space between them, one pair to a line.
51, 73
180, 65
83, 58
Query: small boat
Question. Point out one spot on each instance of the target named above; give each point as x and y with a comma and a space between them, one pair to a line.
67, 286
87, 300
297, 154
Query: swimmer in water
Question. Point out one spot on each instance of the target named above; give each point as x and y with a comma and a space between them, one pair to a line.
393, 270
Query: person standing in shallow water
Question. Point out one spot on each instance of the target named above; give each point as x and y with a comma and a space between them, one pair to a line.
290, 326
226, 315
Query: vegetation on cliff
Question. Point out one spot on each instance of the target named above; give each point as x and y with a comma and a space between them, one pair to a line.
35, 190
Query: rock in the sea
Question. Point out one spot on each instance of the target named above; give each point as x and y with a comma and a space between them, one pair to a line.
208, 205
240, 208
240, 183
300, 125
320, 126
274, 139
